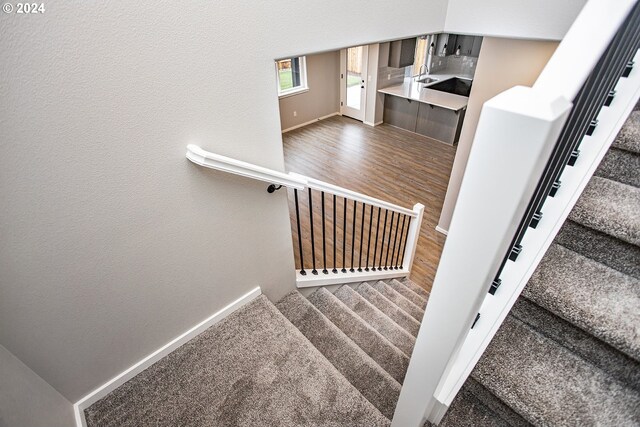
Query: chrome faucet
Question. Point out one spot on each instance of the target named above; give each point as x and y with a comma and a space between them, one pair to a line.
426, 69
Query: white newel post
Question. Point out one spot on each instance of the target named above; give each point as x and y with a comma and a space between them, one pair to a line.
412, 236
514, 139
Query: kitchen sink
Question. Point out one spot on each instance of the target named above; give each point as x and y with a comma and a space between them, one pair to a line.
455, 85
427, 80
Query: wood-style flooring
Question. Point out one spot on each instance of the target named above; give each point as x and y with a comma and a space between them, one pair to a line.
383, 162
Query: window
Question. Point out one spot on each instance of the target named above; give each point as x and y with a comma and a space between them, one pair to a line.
292, 76
421, 54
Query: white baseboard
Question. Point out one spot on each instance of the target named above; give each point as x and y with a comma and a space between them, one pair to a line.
441, 230
143, 364
372, 124
337, 113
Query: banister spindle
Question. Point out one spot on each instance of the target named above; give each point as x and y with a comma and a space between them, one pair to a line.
386, 259
335, 263
406, 239
361, 237
395, 238
404, 218
295, 194
375, 240
344, 235
353, 234
384, 233
366, 268
324, 239
313, 246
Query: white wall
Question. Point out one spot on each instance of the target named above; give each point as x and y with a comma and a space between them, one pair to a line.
521, 19
112, 242
323, 96
503, 63
27, 400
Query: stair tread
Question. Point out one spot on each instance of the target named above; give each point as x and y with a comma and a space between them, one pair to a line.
617, 364
252, 368
596, 298
415, 287
467, 410
383, 352
394, 312
629, 136
404, 290
396, 298
601, 247
610, 207
620, 165
377, 319
375, 384
549, 385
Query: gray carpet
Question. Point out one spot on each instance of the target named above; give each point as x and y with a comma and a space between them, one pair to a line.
253, 368
407, 293
394, 312
569, 352
396, 298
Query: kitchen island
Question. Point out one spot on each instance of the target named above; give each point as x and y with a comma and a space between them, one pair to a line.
415, 107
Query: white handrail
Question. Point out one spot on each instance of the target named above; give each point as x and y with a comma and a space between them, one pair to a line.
292, 180
352, 195
237, 167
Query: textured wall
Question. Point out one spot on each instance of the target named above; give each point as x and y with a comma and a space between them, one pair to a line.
323, 97
112, 242
27, 400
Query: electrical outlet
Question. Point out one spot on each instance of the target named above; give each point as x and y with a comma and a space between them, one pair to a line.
439, 62
388, 76
295, 114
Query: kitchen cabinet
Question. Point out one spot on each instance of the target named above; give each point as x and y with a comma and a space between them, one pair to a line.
477, 43
466, 44
402, 52
401, 112
469, 45
439, 123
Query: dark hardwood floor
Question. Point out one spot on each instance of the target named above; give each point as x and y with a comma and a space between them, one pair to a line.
382, 162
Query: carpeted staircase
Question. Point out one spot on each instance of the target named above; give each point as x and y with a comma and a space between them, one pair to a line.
332, 359
567, 355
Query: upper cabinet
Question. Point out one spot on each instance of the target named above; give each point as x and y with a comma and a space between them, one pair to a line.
401, 53
469, 45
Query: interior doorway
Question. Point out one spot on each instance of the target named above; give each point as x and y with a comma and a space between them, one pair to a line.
353, 81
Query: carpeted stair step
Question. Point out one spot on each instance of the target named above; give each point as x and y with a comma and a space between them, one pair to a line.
252, 368
497, 406
467, 410
403, 290
397, 335
394, 312
375, 384
594, 297
385, 354
549, 385
601, 247
620, 366
393, 296
610, 207
629, 136
415, 288
620, 165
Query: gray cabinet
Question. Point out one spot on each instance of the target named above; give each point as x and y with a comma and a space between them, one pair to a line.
477, 43
400, 112
466, 45
402, 52
439, 123
469, 45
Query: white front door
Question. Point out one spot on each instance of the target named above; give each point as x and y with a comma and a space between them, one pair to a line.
353, 77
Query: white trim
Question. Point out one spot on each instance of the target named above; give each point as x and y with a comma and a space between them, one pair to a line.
352, 195
149, 360
413, 234
226, 164
441, 230
373, 124
337, 113
296, 91
310, 280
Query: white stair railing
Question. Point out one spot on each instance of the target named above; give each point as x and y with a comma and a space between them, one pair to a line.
516, 135
397, 241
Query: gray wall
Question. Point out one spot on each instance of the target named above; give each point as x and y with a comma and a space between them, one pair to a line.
323, 97
26, 400
112, 242
503, 63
